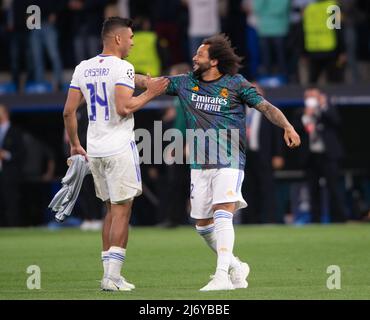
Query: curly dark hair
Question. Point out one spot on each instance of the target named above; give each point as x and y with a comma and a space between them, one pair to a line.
220, 49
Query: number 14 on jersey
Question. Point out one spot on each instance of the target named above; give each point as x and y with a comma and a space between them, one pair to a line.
95, 100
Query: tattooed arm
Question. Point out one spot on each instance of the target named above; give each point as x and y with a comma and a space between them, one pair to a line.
273, 114
277, 117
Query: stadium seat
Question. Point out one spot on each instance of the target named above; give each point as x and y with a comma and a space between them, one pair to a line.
7, 88
65, 87
270, 81
38, 87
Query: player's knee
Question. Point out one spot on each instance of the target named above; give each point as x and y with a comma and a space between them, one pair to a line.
204, 222
230, 207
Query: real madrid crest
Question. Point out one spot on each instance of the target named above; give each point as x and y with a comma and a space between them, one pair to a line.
224, 93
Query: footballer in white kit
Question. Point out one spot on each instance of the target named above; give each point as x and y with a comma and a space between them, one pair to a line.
111, 147
107, 84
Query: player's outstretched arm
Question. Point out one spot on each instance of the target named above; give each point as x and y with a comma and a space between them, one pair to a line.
74, 100
141, 81
126, 103
272, 113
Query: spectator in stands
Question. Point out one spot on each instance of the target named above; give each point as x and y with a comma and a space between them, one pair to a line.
11, 163
321, 152
204, 21
295, 35
87, 19
117, 8
253, 52
38, 169
169, 19
19, 49
46, 37
264, 155
324, 48
272, 27
352, 16
145, 54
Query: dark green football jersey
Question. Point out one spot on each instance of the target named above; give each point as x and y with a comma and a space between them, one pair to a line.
215, 118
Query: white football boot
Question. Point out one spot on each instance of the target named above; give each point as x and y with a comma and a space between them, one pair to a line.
239, 274
128, 284
120, 285
218, 283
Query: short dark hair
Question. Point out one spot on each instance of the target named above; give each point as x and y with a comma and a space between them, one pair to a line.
112, 23
220, 49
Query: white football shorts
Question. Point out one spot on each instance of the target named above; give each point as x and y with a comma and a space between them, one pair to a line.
213, 186
117, 178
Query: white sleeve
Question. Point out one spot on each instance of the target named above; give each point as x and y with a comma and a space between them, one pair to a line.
127, 75
74, 82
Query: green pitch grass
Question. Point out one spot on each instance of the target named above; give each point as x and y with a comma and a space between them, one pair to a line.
286, 263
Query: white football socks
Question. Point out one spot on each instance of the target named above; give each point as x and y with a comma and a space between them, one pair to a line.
225, 236
208, 234
105, 260
116, 258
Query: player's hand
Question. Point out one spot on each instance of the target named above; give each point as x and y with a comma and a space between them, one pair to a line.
157, 86
291, 137
79, 150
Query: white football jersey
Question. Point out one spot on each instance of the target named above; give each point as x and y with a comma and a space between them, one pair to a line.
108, 133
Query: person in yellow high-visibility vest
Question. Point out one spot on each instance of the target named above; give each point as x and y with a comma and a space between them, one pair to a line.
144, 54
323, 46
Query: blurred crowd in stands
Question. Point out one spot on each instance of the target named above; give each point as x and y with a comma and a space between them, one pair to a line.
279, 42
279, 39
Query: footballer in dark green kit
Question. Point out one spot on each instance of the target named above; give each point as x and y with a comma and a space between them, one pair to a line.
213, 98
